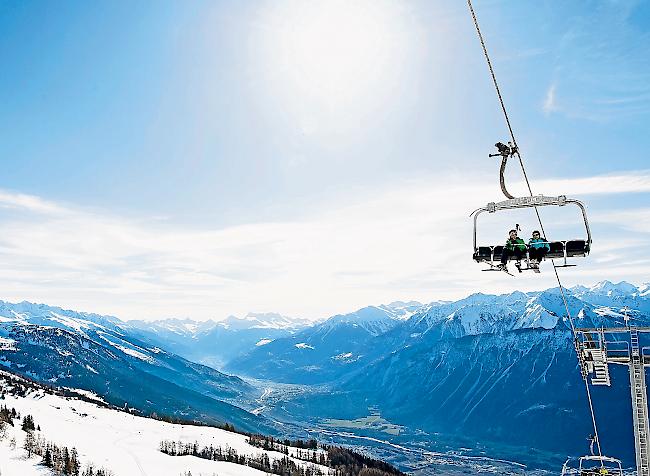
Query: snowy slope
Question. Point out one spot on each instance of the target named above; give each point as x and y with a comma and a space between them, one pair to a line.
79, 350
126, 444
14, 462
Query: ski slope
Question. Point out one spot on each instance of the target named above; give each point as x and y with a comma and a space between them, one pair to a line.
127, 445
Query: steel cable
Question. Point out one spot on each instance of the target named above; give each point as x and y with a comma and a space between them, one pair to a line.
539, 219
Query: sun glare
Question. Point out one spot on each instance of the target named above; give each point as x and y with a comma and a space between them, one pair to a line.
334, 62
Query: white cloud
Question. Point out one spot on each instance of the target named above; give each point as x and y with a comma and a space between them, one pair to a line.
550, 102
31, 203
631, 182
413, 241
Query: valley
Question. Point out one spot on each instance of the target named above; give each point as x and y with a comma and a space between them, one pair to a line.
444, 385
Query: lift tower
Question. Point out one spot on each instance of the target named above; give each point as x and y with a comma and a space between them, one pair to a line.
599, 347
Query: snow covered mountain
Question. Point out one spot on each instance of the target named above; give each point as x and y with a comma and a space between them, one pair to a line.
608, 294
346, 343
495, 368
96, 353
324, 351
215, 343
486, 367
265, 320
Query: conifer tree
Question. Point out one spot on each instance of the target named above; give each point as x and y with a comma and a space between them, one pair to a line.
28, 423
29, 444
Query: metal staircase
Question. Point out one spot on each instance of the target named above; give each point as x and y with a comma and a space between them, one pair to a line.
639, 405
592, 357
601, 369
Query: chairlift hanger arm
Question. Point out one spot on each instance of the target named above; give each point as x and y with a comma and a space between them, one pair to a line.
505, 152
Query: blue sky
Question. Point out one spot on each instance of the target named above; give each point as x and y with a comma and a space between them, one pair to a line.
203, 159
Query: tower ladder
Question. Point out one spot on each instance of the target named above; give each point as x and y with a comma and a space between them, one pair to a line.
639, 406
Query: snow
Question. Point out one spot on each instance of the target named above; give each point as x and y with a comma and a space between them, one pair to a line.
76, 324
134, 353
400, 310
303, 345
264, 320
644, 290
607, 311
123, 443
87, 393
609, 288
346, 357
21, 316
14, 462
536, 316
191, 328
129, 351
7, 344
491, 314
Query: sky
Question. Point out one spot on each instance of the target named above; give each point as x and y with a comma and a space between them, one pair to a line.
206, 159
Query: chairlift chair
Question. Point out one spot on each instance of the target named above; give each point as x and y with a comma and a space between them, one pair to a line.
593, 466
563, 249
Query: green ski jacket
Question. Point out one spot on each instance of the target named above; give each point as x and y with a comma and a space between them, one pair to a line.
518, 243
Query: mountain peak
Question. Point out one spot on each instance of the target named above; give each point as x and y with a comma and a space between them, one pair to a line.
607, 286
264, 320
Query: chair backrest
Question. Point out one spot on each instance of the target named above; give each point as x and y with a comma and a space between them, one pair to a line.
556, 247
576, 246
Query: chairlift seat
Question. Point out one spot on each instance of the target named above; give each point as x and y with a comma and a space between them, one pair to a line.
577, 248
573, 248
558, 249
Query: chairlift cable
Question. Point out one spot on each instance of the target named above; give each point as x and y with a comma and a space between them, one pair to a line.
539, 219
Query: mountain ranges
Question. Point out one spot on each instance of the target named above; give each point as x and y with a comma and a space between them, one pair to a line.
491, 368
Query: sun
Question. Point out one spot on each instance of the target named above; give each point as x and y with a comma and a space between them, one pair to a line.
333, 61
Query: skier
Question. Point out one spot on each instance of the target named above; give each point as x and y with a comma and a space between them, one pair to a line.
514, 247
537, 248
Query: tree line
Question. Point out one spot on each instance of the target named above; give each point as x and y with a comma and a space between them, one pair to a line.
344, 460
284, 466
303, 450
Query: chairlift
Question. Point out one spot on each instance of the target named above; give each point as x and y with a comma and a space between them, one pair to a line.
562, 249
592, 466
